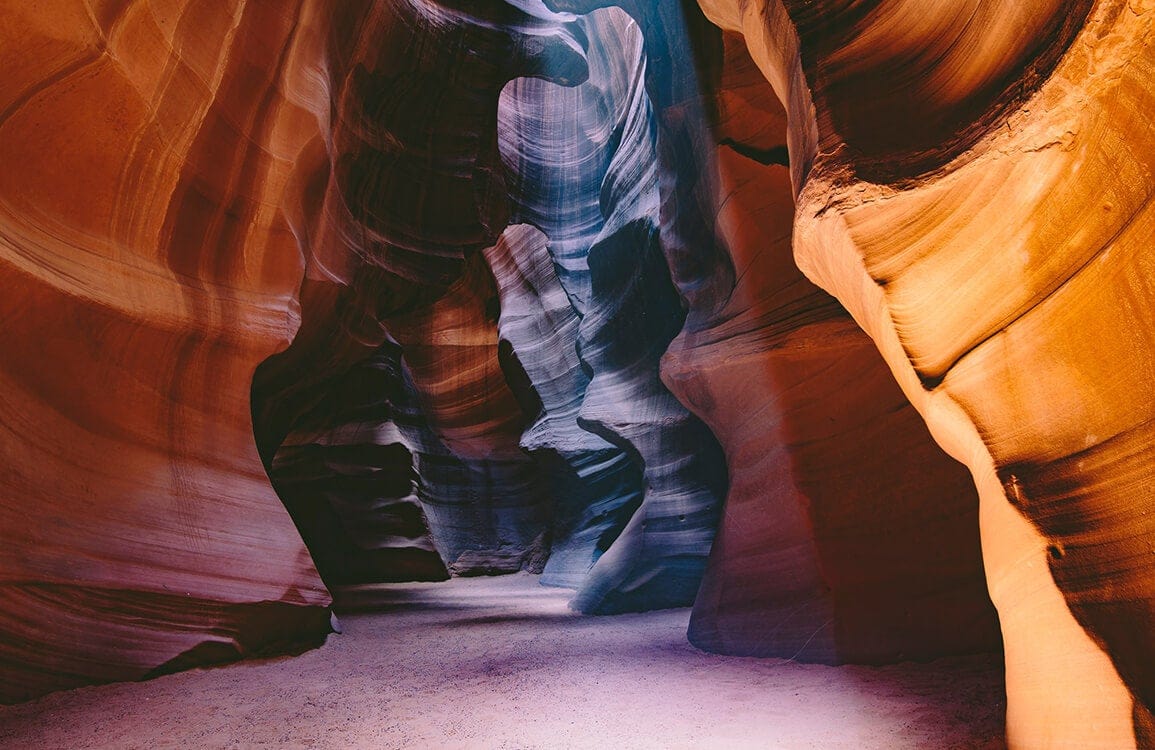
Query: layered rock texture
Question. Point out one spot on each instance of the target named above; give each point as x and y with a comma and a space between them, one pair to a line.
374, 291
346, 476
976, 188
848, 537
145, 274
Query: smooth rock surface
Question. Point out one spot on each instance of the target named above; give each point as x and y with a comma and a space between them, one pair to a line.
600, 196
848, 536
573, 246
997, 253
144, 279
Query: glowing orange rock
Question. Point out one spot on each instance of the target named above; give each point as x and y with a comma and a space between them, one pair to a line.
995, 245
144, 279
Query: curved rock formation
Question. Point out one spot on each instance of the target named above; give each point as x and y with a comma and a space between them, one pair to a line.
848, 535
197, 150
484, 497
818, 439
400, 154
392, 212
596, 198
594, 486
997, 254
347, 478
144, 279
528, 275
556, 145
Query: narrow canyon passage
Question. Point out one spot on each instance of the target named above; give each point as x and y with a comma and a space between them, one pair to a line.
503, 663
805, 347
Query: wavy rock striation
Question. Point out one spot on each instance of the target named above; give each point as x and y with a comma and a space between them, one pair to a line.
806, 565
594, 486
403, 193
996, 251
144, 279
489, 279
580, 161
633, 311
347, 478
848, 535
196, 152
484, 497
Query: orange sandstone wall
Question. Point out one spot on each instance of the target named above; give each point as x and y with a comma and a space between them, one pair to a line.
239, 236
848, 535
145, 274
974, 184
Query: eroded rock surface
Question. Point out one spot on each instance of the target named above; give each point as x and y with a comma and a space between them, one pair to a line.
144, 278
997, 252
483, 283
848, 535
401, 194
347, 477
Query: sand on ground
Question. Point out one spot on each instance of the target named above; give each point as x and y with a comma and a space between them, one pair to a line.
502, 663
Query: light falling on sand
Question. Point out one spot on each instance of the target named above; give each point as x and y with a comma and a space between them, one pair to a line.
503, 663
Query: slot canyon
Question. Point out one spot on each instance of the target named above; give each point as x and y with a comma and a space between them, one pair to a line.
576, 374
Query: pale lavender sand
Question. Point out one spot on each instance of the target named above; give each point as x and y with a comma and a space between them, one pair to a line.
502, 663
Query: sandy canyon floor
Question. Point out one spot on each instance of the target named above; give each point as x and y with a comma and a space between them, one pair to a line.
502, 663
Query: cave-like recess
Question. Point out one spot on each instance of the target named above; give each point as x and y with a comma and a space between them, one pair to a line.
832, 321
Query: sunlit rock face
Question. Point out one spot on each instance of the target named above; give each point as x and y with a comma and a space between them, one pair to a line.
848, 535
996, 246
144, 277
600, 195
475, 236
496, 286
